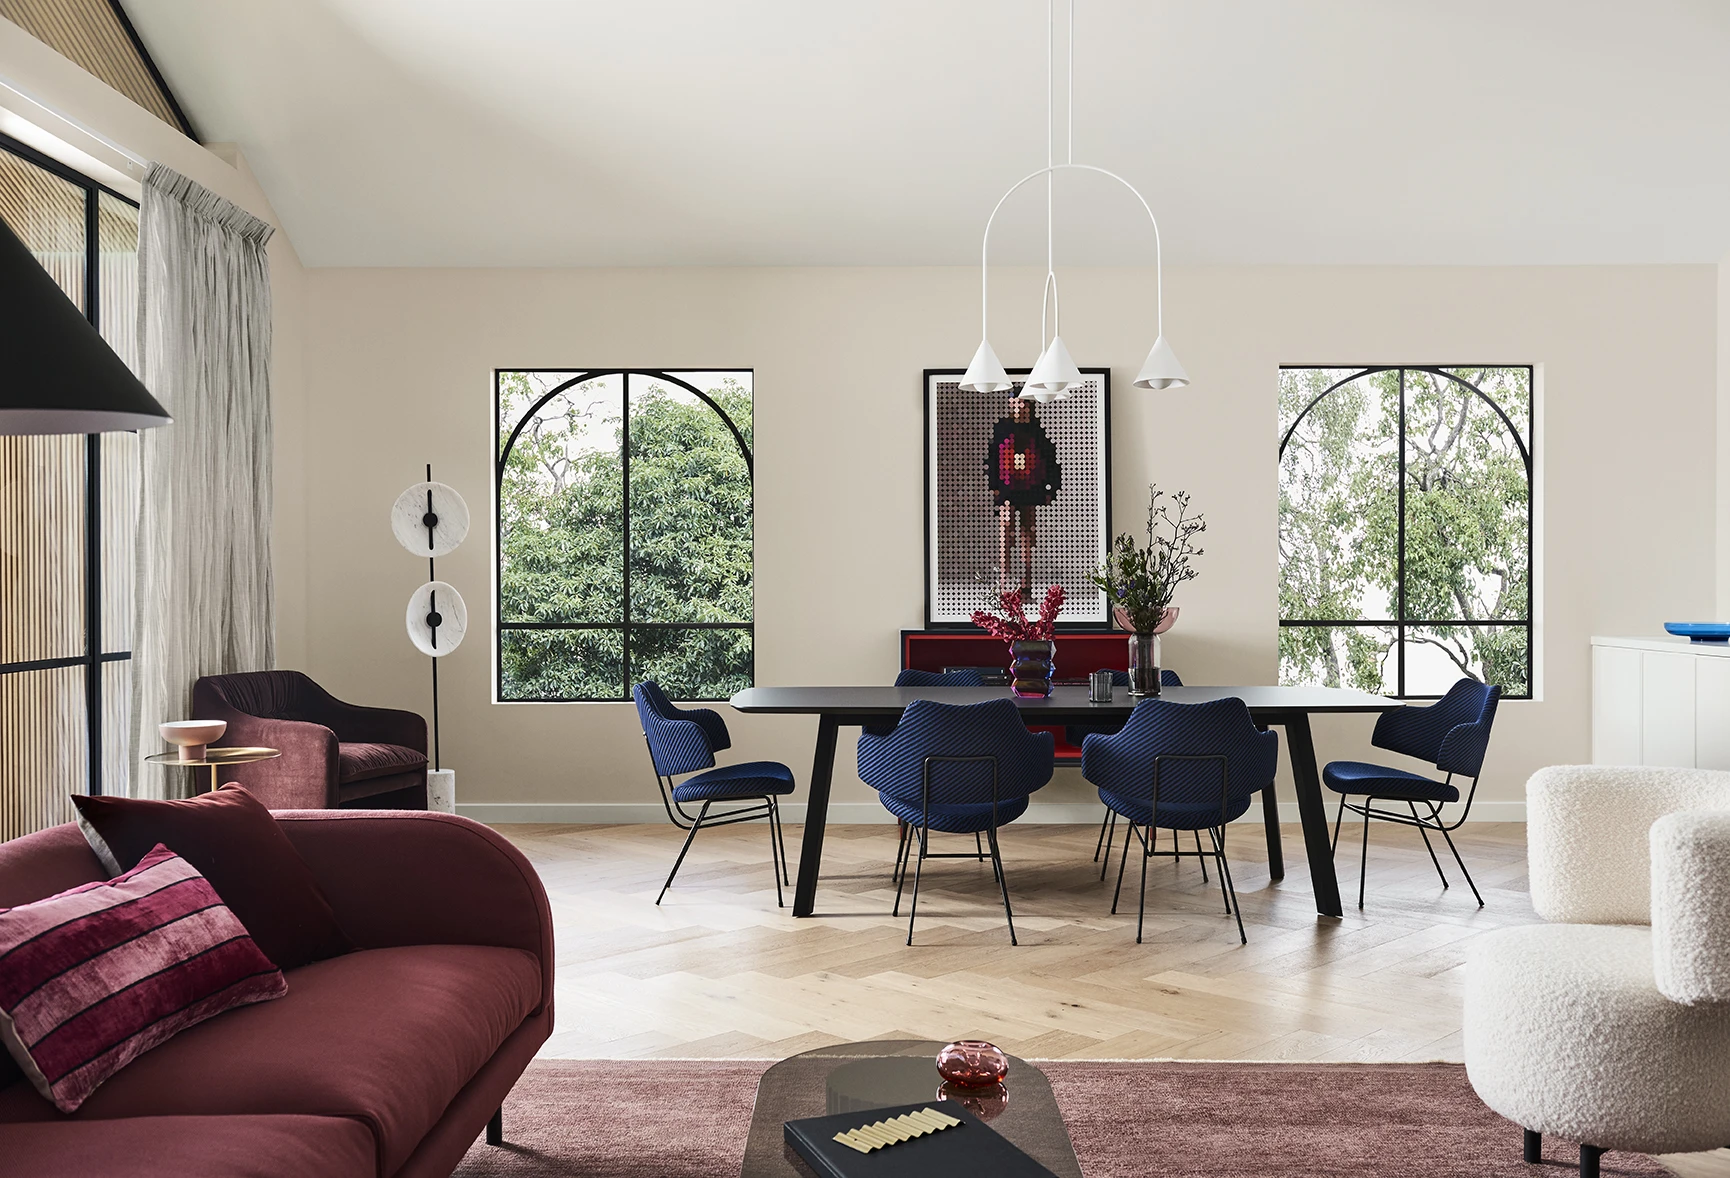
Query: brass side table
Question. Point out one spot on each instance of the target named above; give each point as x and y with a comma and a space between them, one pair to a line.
215, 759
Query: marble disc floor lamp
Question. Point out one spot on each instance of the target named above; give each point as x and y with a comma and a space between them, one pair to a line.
430, 519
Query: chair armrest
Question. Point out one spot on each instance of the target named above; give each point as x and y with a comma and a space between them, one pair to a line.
1586, 835
403, 877
1691, 905
305, 777
351, 722
714, 728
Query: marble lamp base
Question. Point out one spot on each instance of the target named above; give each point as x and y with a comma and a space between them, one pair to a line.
441, 790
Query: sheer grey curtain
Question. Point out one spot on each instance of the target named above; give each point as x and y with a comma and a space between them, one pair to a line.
204, 596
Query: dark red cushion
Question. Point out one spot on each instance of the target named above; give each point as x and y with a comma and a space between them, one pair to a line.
235, 844
191, 1147
362, 761
93, 978
388, 1036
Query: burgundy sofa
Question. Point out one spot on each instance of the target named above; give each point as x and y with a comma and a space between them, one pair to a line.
384, 1063
334, 754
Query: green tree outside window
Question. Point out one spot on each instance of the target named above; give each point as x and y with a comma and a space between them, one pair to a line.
624, 533
1405, 528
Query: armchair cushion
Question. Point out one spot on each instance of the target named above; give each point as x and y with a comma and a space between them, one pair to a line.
235, 844
365, 760
1691, 905
747, 779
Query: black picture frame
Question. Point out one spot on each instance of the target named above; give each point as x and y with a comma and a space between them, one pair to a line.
1094, 615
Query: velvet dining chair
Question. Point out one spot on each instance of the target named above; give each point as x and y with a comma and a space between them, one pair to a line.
1077, 734
959, 769
1453, 734
685, 740
1181, 767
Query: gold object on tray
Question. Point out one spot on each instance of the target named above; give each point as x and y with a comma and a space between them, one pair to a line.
895, 1130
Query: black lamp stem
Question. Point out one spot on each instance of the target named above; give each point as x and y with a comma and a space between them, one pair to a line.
432, 575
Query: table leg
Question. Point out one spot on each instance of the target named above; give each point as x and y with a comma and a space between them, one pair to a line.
1312, 812
1270, 820
816, 814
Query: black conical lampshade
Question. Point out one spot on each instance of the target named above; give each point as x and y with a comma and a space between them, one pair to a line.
57, 374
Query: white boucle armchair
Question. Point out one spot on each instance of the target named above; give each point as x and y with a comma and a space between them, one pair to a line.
1611, 1026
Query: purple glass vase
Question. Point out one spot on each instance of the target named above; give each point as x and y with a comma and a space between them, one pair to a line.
1030, 667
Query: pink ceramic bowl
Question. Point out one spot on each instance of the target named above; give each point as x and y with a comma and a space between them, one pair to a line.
192, 736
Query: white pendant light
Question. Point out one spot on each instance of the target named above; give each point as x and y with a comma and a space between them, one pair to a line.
1055, 371
1162, 371
985, 374
1054, 374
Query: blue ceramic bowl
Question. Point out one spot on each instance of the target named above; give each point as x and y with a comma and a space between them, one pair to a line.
1700, 631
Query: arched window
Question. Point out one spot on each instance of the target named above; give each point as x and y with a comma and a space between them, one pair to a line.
624, 532
1405, 537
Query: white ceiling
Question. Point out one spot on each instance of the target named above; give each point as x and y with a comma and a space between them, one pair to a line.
820, 132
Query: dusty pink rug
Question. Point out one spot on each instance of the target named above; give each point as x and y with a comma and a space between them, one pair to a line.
669, 1119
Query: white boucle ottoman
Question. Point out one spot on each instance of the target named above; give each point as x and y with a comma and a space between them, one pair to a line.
1566, 1033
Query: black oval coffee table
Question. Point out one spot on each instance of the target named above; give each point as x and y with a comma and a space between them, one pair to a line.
853, 1077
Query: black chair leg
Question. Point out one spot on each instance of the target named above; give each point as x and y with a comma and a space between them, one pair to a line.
774, 856
1002, 883
1141, 905
1589, 1155
496, 1127
908, 834
978, 851
1423, 830
900, 854
1534, 1147
1338, 815
1107, 834
1364, 855
1122, 862
1463, 870
781, 841
1231, 887
1199, 856
913, 907
695, 826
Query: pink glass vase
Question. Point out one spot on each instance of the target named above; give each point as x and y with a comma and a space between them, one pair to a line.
972, 1063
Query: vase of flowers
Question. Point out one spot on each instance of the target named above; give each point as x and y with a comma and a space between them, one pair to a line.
1140, 579
1032, 652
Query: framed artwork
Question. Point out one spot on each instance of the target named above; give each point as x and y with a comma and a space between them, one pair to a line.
1017, 496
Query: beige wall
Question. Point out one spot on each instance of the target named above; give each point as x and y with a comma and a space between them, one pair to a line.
398, 368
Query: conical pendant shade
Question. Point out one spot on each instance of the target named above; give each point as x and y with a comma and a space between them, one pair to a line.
57, 375
985, 374
1162, 371
1053, 374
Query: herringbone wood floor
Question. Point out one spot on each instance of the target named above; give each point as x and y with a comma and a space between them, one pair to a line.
717, 971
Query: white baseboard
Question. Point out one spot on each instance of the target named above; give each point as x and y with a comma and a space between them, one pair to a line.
860, 813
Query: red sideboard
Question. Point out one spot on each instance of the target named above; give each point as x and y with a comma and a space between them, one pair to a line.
1079, 653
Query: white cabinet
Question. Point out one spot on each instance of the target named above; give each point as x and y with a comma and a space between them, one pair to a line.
1660, 701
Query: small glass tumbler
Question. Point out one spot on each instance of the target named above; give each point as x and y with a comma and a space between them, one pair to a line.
1099, 687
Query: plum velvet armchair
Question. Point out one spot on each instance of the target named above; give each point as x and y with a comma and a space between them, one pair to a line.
334, 754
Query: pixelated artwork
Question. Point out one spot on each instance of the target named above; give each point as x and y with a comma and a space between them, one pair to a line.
1017, 496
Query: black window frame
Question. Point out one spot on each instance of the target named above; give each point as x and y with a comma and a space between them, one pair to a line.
1527, 447
93, 657
502, 450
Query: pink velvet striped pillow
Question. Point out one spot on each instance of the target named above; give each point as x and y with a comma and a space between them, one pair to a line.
94, 977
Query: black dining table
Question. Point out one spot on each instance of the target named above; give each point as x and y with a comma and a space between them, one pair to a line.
1285, 707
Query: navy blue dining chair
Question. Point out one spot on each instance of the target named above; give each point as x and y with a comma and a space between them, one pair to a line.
685, 740
914, 677
1181, 767
1453, 734
1076, 735
959, 769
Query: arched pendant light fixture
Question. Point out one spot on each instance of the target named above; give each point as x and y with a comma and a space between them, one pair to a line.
1055, 372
